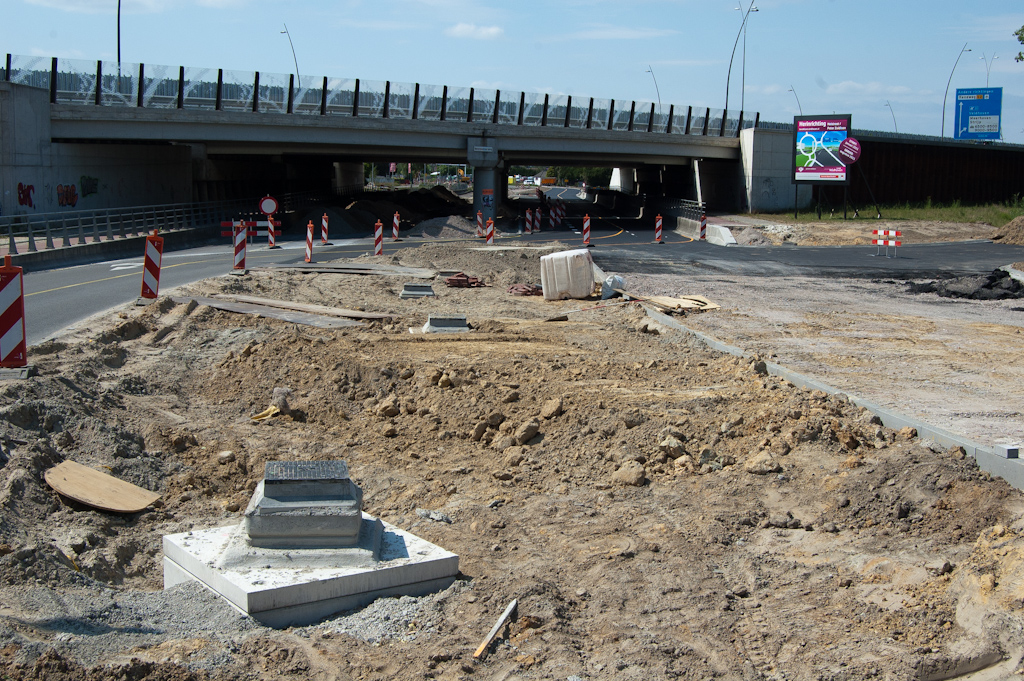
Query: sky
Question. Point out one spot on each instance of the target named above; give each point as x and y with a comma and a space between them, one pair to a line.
885, 62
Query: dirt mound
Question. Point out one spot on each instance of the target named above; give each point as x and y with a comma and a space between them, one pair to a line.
1012, 232
658, 509
998, 285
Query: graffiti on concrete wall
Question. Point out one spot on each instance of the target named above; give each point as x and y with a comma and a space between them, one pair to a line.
67, 195
89, 185
25, 194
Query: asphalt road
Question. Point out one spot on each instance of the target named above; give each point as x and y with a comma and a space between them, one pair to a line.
58, 298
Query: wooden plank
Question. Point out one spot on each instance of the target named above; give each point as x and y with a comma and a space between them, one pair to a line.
99, 490
319, 321
304, 307
509, 612
669, 303
356, 268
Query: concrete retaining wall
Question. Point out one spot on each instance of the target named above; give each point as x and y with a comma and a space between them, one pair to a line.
766, 157
38, 175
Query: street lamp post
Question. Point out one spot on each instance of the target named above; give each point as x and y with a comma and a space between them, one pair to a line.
298, 76
988, 65
119, 40
893, 115
743, 69
964, 49
793, 90
651, 71
728, 76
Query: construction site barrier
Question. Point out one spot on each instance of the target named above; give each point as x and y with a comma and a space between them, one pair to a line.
479, 223
529, 221
323, 231
309, 241
151, 268
394, 227
703, 226
490, 232
586, 230
378, 238
657, 229
241, 238
886, 241
13, 349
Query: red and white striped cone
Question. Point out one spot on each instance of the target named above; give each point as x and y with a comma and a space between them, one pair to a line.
309, 242
323, 231
271, 243
151, 269
586, 231
657, 230
490, 232
241, 237
479, 224
13, 348
378, 238
394, 227
703, 226
529, 221
537, 217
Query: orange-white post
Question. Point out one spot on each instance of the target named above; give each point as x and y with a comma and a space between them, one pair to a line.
323, 231
529, 222
13, 348
490, 232
479, 224
309, 242
537, 217
657, 230
241, 238
378, 238
271, 243
394, 227
586, 231
703, 226
151, 268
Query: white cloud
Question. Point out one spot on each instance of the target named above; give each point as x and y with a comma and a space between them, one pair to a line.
872, 89
103, 6
474, 31
616, 33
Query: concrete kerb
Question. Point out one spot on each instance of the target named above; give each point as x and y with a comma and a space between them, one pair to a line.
128, 246
1011, 470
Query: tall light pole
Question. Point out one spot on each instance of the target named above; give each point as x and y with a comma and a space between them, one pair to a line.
964, 49
793, 90
728, 76
119, 40
298, 75
743, 70
651, 71
988, 65
893, 115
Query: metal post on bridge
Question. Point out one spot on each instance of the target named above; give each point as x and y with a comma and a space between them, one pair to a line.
110, 229
95, 228
81, 231
31, 238
49, 236
12, 248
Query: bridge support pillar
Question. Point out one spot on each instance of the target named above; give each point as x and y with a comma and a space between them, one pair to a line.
482, 154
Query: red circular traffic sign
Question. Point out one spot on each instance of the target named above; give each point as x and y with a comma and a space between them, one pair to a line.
268, 205
849, 150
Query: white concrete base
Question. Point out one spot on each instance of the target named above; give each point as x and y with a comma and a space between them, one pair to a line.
303, 593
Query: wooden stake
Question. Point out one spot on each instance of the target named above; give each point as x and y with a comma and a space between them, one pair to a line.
510, 611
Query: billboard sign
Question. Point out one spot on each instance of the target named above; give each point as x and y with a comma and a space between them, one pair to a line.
978, 113
816, 149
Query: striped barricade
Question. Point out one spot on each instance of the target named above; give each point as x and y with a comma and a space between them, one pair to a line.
151, 268
13, 349
887, 240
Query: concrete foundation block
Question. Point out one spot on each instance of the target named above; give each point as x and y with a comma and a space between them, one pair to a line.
1007, 451
414, 290
453, 323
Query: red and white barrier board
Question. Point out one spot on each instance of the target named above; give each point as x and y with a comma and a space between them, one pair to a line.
241, 237
529, 222
309, 242
537, 217
323, 230
13, 349
252, 227
378, 238
657, 229
479, 223
586, 230
394, 226
886, 240
490, 232
151, 268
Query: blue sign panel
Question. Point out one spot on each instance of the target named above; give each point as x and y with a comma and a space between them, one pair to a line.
978, 113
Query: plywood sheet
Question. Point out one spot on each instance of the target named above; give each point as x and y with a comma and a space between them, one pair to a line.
99, 490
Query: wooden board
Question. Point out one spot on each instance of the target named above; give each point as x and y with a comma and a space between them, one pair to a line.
99, 490
356, 268
319, 321
673, 304
305, 307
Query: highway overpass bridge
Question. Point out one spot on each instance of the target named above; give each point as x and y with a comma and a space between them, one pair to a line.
95, 134
206, 127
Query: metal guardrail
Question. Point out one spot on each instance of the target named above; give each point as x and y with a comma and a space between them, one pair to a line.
115, 84
686, 208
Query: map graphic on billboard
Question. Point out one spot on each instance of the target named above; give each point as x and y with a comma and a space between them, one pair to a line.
816, 141
978, 113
